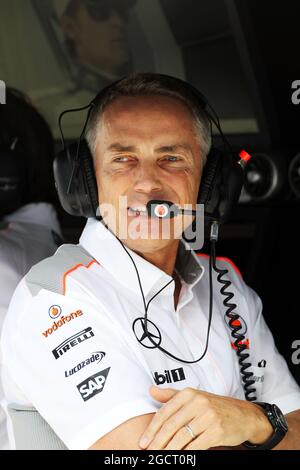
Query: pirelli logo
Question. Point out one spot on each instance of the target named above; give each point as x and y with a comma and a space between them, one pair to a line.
72, 342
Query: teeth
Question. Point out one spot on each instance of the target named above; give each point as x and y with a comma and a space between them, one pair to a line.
138, 209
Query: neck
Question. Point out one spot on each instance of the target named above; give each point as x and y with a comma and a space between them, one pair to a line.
165, 260
99, 69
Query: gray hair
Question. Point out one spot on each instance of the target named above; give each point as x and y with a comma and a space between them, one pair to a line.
139, 84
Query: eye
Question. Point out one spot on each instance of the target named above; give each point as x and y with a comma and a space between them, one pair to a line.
172, 158
121, 159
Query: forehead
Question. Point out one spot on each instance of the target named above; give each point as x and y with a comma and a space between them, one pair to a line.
148, 113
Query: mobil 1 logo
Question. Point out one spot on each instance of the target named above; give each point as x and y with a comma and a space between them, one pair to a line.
93, 385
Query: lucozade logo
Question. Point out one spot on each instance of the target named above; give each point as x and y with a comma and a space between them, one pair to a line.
61, 322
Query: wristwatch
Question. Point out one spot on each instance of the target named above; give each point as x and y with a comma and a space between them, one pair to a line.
278, 423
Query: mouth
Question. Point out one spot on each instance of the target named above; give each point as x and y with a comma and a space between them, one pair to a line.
137, 211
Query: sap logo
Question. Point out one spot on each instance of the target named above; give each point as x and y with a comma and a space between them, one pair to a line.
169, 376
296, 94
296, 354
93, 385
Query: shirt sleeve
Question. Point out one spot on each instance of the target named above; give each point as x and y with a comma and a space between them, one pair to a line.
273, 380
75, 368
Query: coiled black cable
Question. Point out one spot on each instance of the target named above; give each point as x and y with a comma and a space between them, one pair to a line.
240, 347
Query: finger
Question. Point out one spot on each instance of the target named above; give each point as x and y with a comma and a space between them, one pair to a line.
205, 441
180, 440
172, 426
183, 437
163, 394
164, 413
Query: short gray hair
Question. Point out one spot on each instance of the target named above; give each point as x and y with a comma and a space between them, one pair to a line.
139, 84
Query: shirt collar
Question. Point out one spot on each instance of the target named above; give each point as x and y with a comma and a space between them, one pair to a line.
107, 250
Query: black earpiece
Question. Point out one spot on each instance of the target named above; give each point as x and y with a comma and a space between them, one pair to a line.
220, 187
82, 198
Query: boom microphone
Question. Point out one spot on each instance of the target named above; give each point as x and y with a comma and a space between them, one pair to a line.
166, 209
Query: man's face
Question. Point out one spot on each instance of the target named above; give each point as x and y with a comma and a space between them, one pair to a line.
100, 42
147, 148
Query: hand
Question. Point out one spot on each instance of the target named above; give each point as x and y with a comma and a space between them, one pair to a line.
215, 421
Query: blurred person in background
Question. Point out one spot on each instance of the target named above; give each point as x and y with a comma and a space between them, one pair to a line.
93, 37
95, 33
29, 229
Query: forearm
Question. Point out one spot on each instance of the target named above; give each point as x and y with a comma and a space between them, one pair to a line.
291, 441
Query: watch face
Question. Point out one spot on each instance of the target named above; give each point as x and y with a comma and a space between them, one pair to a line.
280, 417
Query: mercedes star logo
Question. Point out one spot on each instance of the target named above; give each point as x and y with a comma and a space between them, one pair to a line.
139, 329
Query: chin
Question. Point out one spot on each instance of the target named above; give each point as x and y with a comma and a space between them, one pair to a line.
147, 246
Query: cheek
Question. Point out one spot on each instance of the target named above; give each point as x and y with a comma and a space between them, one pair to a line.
193, 182
185, 184
110, 187
102, 184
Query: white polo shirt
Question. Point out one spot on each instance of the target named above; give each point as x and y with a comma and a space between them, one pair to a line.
74, 345
27, 236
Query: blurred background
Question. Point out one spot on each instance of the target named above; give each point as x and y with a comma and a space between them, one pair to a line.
244, 55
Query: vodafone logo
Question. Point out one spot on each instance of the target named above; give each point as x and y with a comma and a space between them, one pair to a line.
161, 211
54, 311
61, 322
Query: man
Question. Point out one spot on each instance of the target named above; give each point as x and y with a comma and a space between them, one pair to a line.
29, 229
95, 33
91, 372
96, 53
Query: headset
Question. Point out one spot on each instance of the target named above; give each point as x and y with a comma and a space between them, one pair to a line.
220, 188
221, 183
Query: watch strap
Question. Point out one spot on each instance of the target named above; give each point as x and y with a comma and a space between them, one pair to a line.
279, 431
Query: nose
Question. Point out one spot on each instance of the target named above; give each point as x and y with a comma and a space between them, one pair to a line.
146, 180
